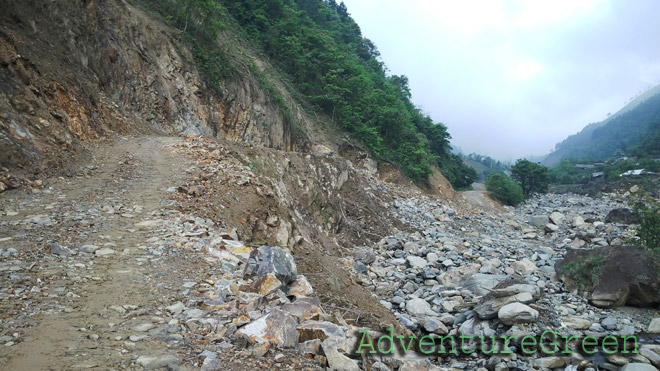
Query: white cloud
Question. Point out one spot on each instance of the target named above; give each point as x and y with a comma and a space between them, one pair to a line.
533, 14
526, 69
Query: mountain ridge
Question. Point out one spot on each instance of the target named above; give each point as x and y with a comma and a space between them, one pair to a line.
619, 132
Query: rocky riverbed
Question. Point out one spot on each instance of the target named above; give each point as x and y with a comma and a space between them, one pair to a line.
490, 274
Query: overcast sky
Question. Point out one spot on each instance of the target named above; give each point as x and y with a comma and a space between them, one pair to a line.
512, 78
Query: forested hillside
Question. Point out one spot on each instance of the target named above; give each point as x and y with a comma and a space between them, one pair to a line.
485, 165
629, 132
334, 68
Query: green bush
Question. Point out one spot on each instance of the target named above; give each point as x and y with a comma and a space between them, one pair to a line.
648, 233
504, 189
586, 273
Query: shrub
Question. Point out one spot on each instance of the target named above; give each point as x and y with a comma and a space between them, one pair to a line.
586, 273
647, 211
504, 189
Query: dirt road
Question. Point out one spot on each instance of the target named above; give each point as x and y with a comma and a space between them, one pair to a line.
481, 198
85, 310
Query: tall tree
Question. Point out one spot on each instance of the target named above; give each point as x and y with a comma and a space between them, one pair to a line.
533, 177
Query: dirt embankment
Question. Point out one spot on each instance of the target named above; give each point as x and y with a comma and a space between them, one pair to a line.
321, 206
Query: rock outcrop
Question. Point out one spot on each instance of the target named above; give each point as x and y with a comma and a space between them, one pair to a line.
80, 71
621, 215
624, 275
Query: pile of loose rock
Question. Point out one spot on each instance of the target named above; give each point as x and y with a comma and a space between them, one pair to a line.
483, 275
258, 300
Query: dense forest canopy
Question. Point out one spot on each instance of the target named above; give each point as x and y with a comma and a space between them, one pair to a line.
335, 69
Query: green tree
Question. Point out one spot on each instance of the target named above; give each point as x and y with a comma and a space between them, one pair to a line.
457, 173
533, 177
567, 173
504, 189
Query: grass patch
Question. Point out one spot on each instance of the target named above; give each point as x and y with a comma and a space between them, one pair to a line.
647, 234
586, 272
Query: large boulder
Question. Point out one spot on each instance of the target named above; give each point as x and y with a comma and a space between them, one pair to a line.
167, 361
550, 362
417, 262
454, 277
612, 276
576, 323
419, 307
524, 267
517, 313
557, 218
481, 284
300, 287
337, 360
638, 367
476, 327
321, 330
304, 308
654, 326
621, 216
538, 220
515, 289
277, 328
490, 306
652, 353
271, 259
506, 292
364, 255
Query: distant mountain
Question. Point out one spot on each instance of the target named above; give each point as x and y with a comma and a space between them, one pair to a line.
622, 131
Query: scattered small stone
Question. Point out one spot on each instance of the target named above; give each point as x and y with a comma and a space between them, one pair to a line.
144, 327
104, 251
155, 362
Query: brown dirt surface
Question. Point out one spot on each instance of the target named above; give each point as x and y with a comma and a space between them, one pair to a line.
80, 311
133, 171
480, 198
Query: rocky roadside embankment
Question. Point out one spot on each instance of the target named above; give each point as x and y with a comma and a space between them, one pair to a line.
105, 270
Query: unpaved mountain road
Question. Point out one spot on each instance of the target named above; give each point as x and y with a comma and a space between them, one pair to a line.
100, 302
478, 196
57, 308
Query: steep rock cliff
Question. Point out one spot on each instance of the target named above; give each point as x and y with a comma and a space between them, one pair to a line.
75, 71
